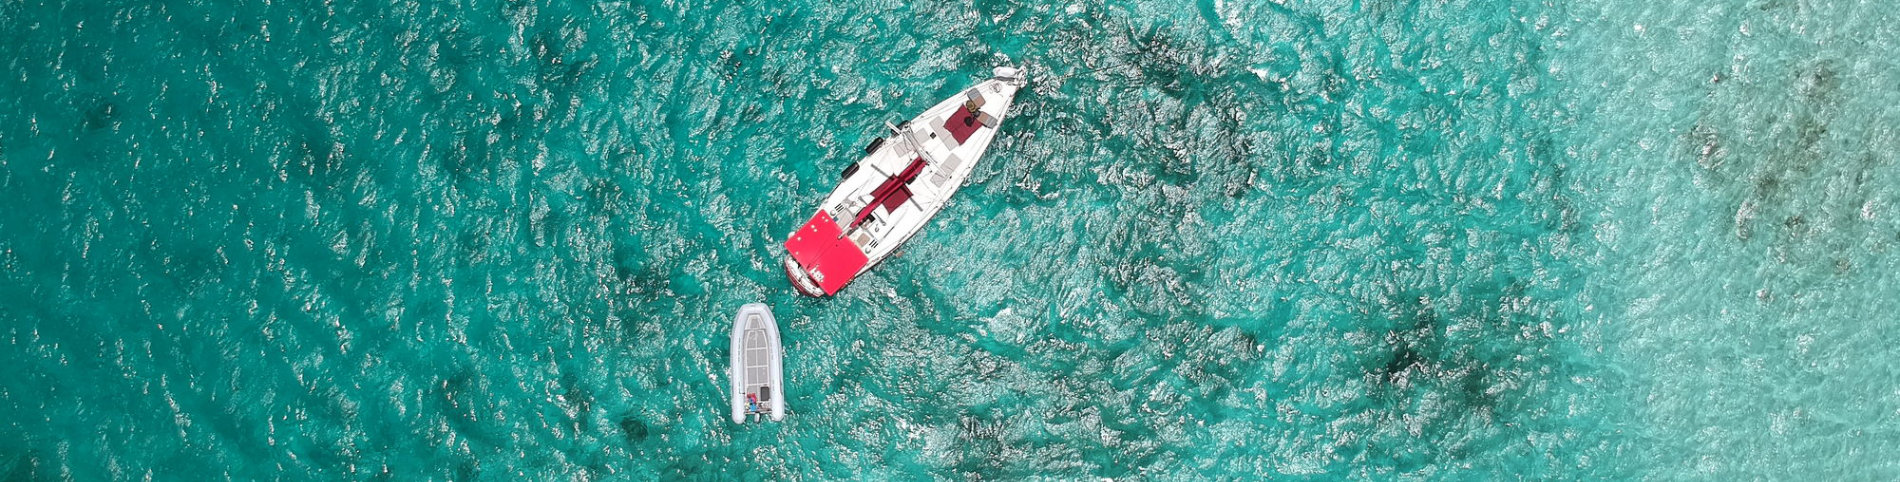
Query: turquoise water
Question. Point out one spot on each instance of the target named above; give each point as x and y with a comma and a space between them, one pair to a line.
1310, 239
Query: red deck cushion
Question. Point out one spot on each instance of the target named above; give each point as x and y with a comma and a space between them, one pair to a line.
962, 124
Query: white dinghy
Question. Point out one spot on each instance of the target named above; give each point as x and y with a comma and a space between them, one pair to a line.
757, 379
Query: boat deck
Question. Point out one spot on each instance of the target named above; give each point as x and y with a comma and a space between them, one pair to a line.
899, 185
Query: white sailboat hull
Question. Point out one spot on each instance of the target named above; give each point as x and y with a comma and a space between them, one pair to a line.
902, 182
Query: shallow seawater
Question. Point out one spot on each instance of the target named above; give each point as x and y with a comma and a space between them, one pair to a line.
1310, 239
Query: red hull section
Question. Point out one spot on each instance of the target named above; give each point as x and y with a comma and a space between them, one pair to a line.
821, 250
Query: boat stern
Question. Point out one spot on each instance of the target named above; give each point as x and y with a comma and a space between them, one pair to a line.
820, 259
801, 279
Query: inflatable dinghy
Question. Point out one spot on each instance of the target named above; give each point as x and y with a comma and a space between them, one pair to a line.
756, 377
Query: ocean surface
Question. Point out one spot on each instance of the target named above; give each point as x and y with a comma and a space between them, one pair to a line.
503, 240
